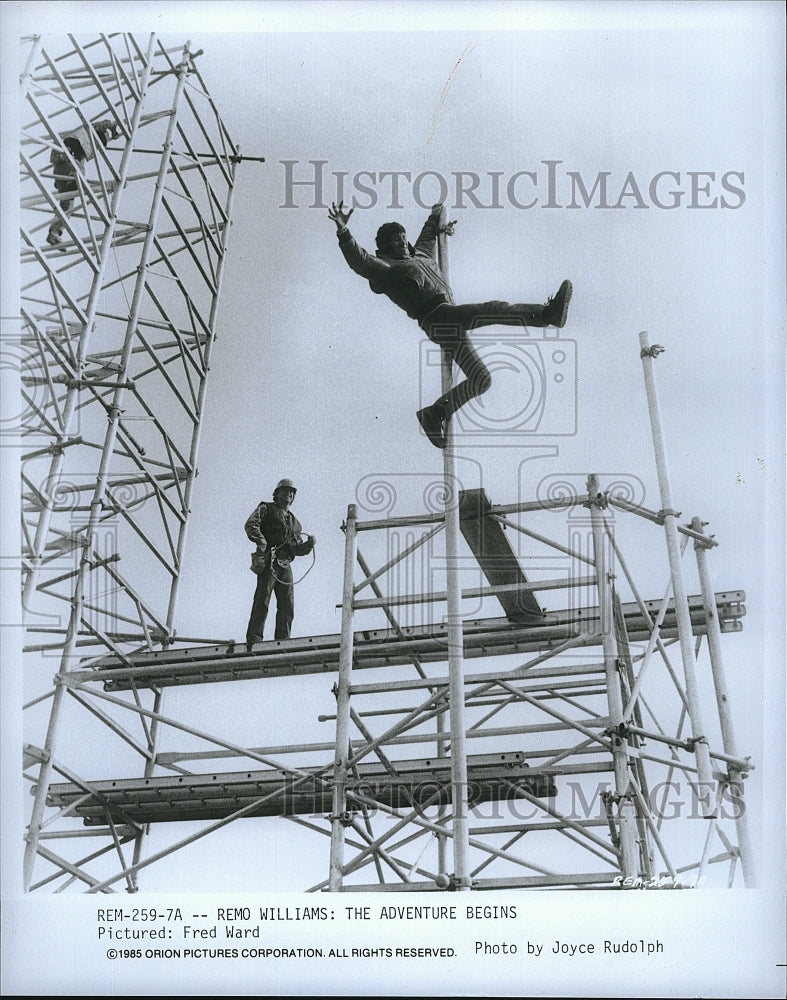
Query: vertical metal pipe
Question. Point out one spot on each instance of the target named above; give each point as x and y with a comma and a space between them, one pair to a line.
626, 811
445, 385
461, 833
442, 853
722, 701
150, 765
342, 751
42, 786
670, 517
637, 766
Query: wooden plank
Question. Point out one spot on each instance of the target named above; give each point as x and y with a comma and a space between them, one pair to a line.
498, 561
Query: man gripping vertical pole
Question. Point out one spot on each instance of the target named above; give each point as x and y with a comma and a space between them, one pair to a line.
416, 280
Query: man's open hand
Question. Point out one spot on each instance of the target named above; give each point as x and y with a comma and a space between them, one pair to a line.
337, 214
448, 227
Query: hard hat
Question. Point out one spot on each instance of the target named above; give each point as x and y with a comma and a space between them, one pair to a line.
285, 484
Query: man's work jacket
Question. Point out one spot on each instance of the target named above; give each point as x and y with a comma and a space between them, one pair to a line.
269, 525
415, 284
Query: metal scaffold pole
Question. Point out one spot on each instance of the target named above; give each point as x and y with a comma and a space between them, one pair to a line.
670, 521
736, 775
454, 618
626, 812
342, 753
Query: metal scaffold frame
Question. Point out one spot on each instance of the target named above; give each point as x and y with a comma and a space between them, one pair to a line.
126, 180
613, 737
608, 709
616, 731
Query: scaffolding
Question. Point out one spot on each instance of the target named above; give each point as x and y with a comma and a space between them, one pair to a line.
574, 753
583, 768
570, 719
608, 749
126, 181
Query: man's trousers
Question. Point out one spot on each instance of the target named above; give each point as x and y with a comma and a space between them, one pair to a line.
278, 581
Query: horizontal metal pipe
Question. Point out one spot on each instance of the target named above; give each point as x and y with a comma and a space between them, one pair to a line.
503, 588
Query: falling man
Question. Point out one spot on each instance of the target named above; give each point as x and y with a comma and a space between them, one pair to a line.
412, 279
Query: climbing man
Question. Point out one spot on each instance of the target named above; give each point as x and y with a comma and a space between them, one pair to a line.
277, 535
79, 144
412, 279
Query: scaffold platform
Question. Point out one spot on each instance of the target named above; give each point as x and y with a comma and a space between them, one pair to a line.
184, 797
386, 647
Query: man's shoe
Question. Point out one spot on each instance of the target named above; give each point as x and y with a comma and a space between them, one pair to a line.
431, 420
556, 309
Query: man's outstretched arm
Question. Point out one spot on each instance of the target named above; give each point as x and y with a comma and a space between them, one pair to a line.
359, 260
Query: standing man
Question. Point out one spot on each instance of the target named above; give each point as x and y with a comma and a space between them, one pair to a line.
276, 532
412, 279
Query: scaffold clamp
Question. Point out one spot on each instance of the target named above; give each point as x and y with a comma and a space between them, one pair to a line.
600, 500
453, 883
652, 352
621, 732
